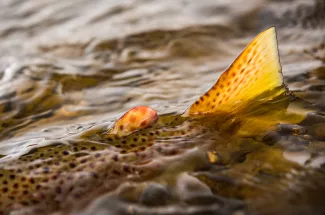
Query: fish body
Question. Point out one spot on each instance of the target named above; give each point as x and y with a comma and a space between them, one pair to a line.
141, 145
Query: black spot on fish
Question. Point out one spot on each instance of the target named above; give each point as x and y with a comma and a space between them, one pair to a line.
24, 203
72, 165
126, 168
116, 172
46, 170
58, 190
8, 107
94, 175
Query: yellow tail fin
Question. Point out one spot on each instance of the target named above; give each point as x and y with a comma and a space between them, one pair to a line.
257, 70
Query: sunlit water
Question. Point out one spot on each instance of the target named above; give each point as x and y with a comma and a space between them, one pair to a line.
68, 68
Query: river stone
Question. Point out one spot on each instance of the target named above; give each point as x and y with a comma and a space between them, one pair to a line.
155, 195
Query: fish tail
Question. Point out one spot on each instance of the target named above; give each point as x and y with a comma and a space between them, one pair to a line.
256, 73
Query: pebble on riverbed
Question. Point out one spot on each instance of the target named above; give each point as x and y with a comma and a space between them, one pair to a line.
155, 195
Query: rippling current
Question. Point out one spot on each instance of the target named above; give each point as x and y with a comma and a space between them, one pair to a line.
68, 68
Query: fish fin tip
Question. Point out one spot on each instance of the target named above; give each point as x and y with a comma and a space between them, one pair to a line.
137, 118
255, 71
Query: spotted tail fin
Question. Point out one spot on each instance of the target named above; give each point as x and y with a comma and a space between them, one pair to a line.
256, 71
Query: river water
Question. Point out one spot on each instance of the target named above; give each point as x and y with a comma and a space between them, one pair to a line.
67, 66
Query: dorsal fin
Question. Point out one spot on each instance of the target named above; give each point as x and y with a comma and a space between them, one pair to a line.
256, 71
136, 118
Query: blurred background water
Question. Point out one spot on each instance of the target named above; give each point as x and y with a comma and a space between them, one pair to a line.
67, 66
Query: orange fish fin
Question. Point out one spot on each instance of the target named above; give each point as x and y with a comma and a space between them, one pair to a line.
136, 118
256, 71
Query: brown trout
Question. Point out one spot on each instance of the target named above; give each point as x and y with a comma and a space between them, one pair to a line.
249, 98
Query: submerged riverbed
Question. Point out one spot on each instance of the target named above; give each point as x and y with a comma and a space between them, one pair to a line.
71, 68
